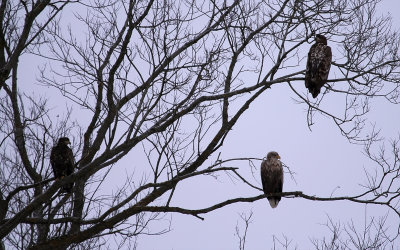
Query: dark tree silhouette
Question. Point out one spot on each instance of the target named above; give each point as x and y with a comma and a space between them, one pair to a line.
157, 86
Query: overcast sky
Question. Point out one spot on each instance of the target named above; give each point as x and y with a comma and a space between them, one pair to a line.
324, 162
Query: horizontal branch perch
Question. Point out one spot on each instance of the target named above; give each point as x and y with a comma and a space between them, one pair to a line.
196, 212
293, 194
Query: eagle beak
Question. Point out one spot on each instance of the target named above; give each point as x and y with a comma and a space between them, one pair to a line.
279, 156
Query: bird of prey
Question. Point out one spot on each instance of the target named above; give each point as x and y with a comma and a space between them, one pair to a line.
63, 162
318, 65
272, 177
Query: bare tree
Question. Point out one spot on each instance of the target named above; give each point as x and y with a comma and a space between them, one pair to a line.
243, 236
373, 235
157, 86
282, 243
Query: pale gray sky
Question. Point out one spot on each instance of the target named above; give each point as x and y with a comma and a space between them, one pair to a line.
325, 164
324, 161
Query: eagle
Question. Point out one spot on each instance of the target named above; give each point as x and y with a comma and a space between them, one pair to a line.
63, 162
318, 65
272, 177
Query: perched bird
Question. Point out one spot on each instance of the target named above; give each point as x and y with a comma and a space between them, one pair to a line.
318, 65
63, 162
272, 177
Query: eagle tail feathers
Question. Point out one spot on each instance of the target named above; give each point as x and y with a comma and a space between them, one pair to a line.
273, 201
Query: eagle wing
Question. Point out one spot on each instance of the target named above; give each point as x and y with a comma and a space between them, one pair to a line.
318, 66
264, 175
272, 180
272, 176
325, 64
70, 162
309, 66
55, 160
62, 161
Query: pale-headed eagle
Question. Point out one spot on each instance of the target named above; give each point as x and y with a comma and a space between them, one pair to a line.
272, 177
63, 162
318, 65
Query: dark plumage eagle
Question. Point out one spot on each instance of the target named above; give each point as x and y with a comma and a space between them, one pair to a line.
62, 160
318, 65
272, 177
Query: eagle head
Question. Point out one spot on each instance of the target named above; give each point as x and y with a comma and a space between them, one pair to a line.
273, 154
64, 140
321, 39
